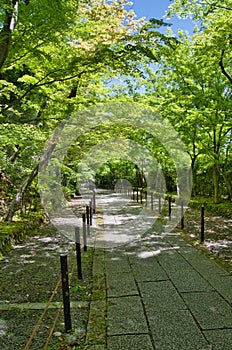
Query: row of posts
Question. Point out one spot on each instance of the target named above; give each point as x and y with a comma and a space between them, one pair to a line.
87, 221
136, 193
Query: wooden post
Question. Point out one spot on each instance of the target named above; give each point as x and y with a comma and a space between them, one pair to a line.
182, 215
84, 233
202, 224
87, 219
91, 213
169, 208
94, 202
159, 199
65, 289
78, 252
152, 201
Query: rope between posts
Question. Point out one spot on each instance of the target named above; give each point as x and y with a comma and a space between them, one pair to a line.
57, 315
42, 316
35, 329
44, 313
53, 327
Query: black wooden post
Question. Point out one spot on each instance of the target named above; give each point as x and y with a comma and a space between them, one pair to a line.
137, 195
202, 224
141, 196
87, 219
78, 253
159, 199
94, 202
91, 213
152, 201
169, 208
65, 289
182, 215
146, 197
84, 232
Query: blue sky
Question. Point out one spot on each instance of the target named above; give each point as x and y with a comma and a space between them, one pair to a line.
157, 9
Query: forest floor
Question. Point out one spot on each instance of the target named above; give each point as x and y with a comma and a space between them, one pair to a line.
31, 296
218, 233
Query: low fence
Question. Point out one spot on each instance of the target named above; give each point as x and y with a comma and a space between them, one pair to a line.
142, 197
87, 221
148, 198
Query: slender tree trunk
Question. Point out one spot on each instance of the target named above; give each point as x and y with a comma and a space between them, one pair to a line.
191, 174
216, 170
7, 29
216, 184
228, 184
15, 204
5, 38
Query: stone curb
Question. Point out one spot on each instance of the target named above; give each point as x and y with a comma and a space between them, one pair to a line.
96, 329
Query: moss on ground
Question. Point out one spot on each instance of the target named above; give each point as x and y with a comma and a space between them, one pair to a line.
15, 232
220, 209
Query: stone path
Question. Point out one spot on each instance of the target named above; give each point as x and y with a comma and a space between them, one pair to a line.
161, 293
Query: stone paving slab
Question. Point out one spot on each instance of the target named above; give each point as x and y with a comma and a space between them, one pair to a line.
122, 284
182, 297
176, 330
220, 338
195, 282
203, 264
156, 246
126, 316
117, 264
210, 310
160, 296
178, 241
95, 347
172, 261
148, 271
41, 306
130, 342
223, 285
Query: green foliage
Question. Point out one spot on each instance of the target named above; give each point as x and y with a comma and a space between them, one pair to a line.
64, 56
223, 209
192, 88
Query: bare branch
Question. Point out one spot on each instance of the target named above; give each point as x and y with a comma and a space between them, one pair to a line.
224, 72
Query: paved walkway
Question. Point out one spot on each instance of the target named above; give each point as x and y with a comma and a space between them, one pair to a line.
161, 293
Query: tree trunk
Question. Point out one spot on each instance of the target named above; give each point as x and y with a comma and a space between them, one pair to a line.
15, 204
10, 21
216, 184
228, 185
5, 38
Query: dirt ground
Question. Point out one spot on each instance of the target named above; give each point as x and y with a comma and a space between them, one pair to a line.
218, 233
29, 277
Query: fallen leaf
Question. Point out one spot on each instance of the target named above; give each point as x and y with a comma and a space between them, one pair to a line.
57, 334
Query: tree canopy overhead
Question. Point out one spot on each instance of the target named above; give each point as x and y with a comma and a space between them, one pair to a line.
58, 57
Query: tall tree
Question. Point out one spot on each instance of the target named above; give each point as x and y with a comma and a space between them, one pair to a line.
192, 85
57, 57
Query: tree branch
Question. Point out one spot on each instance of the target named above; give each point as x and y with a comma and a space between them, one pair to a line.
224, 72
